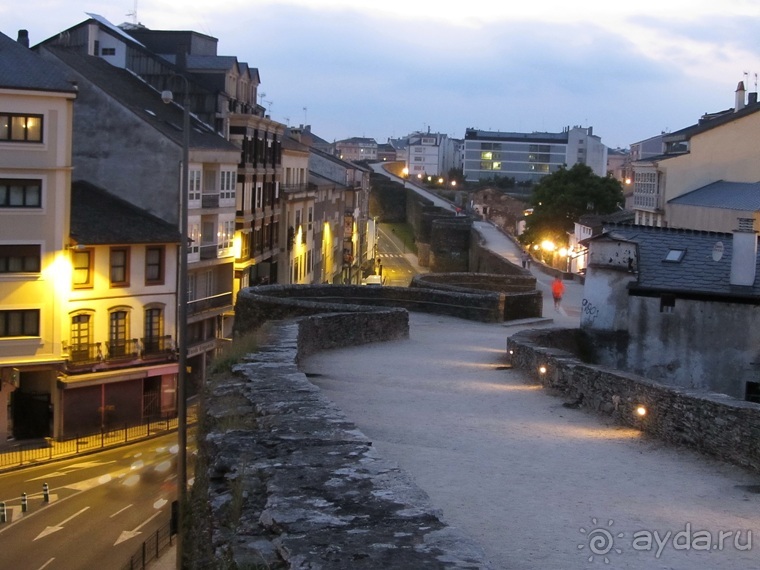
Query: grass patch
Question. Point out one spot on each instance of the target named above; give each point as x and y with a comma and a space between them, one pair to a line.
405, 233
233, 352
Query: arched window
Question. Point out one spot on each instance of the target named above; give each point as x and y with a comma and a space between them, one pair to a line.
153, 340
119, 343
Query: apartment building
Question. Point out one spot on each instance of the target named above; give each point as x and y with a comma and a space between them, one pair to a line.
429, 154
706, 175
138, 158
356, 149
528, 157
36, 115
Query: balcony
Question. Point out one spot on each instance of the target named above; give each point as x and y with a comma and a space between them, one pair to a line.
210, 200
209, 303
209, 250
87, 357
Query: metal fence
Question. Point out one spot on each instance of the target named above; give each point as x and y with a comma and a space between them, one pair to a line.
49, 449
155, 545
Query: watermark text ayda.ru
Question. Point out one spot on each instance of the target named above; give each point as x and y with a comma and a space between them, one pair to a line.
603, 542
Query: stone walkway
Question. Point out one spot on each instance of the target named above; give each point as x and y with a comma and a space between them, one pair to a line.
539, 486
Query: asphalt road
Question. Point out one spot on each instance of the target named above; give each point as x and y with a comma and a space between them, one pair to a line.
101, 507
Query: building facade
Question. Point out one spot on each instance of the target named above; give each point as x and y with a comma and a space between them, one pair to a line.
528, 157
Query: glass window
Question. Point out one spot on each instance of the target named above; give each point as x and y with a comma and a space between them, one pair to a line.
154, 265
117, 334
20, 193
81, 262
119, 267
20, 323
19, 258
20, 128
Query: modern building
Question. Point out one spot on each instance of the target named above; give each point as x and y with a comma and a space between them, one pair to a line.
528, 157
36, 119
429, 154
703, 168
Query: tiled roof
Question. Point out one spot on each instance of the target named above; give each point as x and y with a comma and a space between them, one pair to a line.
698, 272
722, 194
142, 99
99, 218
21, 68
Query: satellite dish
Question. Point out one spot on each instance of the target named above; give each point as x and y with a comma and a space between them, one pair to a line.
717, 251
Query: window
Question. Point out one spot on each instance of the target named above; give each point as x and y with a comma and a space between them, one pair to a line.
81, 262
752, 392
154, 324
20, 128
259, 193
675, 255
80, 338
310, 217
19, 258
108, 51
227, 184
667, 303
20, 193
117, 332
119, 267
24, 322
194, 185
195, 238
154, 265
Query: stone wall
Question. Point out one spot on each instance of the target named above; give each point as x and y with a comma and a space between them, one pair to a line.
257, 305
288, 482
519, 297
450, 244
715, 424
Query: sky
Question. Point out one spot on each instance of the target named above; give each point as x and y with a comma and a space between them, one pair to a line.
387, 68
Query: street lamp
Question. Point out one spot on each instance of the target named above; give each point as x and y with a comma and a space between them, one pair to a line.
167, 97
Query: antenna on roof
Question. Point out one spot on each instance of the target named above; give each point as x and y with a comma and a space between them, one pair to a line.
269, 107
287, 121
133, 14
305, 122
261, 97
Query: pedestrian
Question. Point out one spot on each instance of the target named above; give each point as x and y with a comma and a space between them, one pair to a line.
526, 259
558, 289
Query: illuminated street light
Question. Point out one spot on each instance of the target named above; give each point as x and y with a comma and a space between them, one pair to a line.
641, 411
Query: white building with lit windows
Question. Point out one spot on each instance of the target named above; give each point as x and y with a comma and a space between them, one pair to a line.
528, 157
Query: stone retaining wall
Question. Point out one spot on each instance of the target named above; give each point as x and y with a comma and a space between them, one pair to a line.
257, 305
291, 483
715, 424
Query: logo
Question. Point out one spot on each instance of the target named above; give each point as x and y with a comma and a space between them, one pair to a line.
600, 541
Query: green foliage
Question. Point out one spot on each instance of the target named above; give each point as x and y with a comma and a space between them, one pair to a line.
560, 199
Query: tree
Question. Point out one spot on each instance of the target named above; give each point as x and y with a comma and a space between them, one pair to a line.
561, 198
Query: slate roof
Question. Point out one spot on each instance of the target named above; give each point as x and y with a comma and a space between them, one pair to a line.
21, 68
721, 194
696, 273
99, 218
142, 99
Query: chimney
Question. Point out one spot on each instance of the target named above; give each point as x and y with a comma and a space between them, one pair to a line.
744, 255
23, 38
752, 98
739, 97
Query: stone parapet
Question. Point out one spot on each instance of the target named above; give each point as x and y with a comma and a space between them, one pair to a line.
289, 482
711, 423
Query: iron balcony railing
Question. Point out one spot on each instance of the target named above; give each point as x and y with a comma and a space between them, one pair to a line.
209, 250
122, 349
209, 200
86, 354
207, 303
157, 346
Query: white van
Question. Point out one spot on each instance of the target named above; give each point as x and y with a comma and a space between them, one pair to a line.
375, 280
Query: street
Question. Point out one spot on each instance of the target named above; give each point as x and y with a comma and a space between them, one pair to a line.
398, 263
101, 507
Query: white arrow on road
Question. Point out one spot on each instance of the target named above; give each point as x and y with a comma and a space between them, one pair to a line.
59, 526
127, 534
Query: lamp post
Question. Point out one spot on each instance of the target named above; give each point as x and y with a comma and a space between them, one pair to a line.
167, 97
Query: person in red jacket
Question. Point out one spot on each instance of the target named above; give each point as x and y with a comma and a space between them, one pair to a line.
558, 289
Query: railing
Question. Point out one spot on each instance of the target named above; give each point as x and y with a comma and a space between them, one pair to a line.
209, 250
49, 448
85, 353
213, 302
151, 549
209, 200
122, 349
157, 346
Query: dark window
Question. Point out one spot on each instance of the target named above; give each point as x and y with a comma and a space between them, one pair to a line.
117, 335
119, 267
753, 392
20, 128
153, 330
108, 51
20, 193
667, 303
80, 337
19, 258
20, 323
154, 265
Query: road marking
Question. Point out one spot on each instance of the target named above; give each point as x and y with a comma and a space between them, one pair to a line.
127, 534
59, 526
71, 468
120, 511
46, 564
